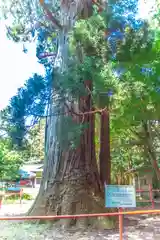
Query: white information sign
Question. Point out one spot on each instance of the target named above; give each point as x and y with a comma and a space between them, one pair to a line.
120, 196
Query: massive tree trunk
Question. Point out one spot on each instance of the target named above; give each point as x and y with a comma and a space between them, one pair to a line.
71, 182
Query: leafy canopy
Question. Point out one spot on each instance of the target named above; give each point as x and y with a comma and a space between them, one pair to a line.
10, 160
117, 51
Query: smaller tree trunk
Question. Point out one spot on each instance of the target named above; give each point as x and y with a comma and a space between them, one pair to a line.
150, 149
154, 163
104, 155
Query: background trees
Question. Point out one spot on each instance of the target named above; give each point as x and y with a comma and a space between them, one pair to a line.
10, 161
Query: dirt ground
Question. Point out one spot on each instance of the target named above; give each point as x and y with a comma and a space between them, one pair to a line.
146, 229
136, 228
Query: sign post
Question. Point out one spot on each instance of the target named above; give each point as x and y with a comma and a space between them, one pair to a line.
120, 224
120, 196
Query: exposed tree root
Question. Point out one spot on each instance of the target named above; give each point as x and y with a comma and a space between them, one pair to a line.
70, 197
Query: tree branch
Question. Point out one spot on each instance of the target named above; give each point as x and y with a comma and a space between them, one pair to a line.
85, 113
50, 15
69, 110
99, 5
35, 26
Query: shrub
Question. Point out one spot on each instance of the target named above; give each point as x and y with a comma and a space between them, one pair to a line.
25, 196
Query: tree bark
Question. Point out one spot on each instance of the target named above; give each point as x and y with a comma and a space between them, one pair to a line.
104, 155
150, 149
71, 182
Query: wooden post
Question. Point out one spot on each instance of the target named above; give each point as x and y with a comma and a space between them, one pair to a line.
151, 195
120, 224
20, 195
0, 202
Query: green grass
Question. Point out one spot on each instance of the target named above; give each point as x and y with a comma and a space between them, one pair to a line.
14, 198
142, 204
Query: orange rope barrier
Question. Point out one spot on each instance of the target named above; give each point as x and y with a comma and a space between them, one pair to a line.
140, 212
120, 214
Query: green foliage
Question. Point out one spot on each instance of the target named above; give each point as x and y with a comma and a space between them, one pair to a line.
13, 198
30, 101
10, 160
35, 142
124, 70
70, 132
23, 15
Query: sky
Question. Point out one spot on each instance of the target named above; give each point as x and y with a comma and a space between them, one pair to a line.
16, 66
145, 6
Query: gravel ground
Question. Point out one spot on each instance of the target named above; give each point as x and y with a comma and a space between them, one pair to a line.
138, 228
15, 209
